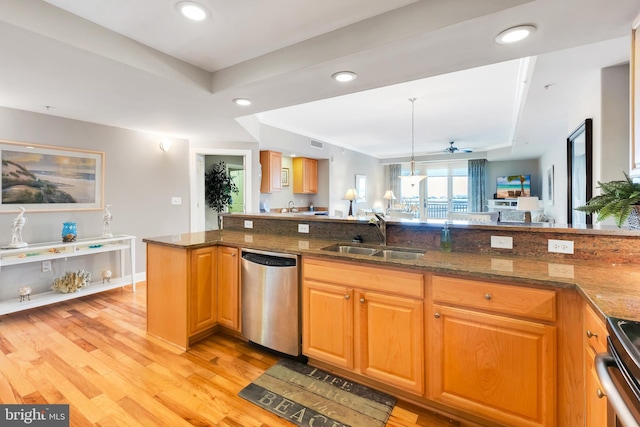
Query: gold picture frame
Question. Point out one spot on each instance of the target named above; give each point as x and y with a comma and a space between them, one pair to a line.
285, 177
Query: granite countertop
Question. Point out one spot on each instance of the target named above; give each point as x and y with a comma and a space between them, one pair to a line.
611, 288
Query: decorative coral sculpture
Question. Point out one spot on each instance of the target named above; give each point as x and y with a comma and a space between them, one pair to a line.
72, 281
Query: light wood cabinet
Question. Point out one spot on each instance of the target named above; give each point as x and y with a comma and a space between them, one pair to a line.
202, 290
229, 287
305, 175
181, 293
485, 361
595, 341
271, 164
327, 326
356, 317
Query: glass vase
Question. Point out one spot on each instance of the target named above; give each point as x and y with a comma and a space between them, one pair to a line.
69, 232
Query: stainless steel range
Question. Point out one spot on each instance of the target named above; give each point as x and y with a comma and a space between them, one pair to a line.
619, 371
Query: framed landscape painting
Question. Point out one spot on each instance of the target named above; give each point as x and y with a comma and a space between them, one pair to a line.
47, 178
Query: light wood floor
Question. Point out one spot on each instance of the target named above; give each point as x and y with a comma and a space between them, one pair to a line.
93, 353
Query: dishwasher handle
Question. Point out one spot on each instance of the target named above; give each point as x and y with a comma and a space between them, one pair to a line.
269, 260
603, 362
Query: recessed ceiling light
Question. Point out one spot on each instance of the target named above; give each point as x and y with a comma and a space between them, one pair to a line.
344, 76
515, 34
192, 10
242, 101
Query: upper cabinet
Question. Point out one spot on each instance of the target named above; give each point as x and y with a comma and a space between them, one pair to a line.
305, 175
271, 163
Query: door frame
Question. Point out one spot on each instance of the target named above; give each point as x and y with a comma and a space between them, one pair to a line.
197, 171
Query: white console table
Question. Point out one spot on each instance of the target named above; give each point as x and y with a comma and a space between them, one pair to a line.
40, 252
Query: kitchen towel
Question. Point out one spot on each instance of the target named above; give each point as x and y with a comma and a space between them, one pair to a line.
305, 396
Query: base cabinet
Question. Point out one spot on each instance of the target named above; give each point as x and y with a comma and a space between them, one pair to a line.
485, 363
202, 290
228, 287
190, 292
595, 341
367, 331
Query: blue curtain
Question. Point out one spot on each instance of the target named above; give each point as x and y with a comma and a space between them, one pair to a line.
477, 182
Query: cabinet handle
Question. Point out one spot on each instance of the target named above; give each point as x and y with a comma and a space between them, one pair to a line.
600, 394
436, 315
361, 299
347, 297
233, 254
591, 334
487, 296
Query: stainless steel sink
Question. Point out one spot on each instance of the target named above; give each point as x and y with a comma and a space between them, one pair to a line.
398, 254
388, 254
347, 249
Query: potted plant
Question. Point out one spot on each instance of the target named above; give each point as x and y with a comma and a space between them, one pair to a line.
218, 189
618, 199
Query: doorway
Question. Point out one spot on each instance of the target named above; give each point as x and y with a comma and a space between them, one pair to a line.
239, 165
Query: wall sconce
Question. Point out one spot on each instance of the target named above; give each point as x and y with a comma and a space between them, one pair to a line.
389, 196
165, 144
351, 195
528, 204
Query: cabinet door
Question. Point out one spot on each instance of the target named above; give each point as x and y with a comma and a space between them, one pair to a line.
327, 323
499, 368
305, 175
202, 290
596, 400
271, 164
228, 288
391, 335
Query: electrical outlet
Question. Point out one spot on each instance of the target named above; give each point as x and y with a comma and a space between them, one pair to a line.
46, 266
303, 228
248, 224
561, 246
561, 270
176, 201
502, 242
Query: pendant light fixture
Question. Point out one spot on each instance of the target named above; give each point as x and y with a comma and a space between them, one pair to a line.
413, 178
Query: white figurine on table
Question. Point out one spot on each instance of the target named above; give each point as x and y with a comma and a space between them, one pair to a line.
106, 222
16, 230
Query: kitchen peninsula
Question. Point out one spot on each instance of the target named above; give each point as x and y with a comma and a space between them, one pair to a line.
531, 307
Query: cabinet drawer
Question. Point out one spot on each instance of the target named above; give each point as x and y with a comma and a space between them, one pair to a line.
398, 282
515, 300
595, 331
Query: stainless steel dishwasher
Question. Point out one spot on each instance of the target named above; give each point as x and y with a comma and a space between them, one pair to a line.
271, 300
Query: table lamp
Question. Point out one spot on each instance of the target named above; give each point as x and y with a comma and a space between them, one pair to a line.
528, 204
351, 195
389, 196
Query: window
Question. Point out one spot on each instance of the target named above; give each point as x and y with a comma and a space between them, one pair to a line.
444, 190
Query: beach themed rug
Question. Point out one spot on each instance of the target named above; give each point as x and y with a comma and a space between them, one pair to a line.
306, 396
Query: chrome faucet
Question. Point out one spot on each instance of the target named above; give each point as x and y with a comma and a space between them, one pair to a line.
291, 204
381, 227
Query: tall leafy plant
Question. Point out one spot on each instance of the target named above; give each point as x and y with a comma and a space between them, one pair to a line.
616, 199
219, 188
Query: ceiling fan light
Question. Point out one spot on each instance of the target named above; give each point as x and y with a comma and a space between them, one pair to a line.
515, 34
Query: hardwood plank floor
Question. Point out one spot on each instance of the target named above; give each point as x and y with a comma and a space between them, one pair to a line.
93, 353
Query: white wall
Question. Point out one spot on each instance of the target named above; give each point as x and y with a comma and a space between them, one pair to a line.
604, 97
337, 169
140, 180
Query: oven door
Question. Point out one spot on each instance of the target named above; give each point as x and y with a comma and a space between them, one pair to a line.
620, 393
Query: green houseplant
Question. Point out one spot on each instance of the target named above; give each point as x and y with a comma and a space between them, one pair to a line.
219, 188
618, 199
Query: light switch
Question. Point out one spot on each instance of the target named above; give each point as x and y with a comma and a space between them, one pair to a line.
176, 200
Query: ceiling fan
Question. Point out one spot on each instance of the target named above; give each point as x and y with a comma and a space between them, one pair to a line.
451, 149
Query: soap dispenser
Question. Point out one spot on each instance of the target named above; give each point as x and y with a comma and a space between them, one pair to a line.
445, 239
